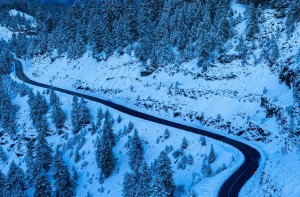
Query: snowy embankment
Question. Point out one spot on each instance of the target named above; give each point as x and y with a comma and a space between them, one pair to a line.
153, 141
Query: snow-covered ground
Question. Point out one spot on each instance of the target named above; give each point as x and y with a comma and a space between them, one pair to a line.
28, 17
5, 33
149, 132
231, 90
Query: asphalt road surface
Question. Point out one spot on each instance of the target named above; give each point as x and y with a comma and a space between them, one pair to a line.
231, 186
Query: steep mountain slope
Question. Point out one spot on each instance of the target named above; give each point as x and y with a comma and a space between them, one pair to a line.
230, 93
247, 86
153, 140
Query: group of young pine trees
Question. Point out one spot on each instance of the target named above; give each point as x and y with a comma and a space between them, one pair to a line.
143, 181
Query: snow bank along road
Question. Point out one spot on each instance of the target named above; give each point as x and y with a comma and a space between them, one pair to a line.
231, 186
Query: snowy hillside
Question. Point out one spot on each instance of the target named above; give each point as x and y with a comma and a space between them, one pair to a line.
228, 94
27, 17
230, 67
153, 140
7, 31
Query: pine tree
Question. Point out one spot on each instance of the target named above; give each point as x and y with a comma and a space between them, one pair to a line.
7, 111
3, 156
223, 30
65, 186
212, 155
184, 143
93, 129
298, 57
166, 134
252, 26
77, 156
75, 174
131, 23
129, 185
80, 114
107, 128
31, 171
144, 181
241, 48
84, 113
42, 186
162, 182
75, 114
53, 98
77, 48
38, 111
15, 185
100, 116
293, 15
5, 62
136, 151
273, 52
104, 155
30, 100
2, 184
96, 34
206, 169
58, 116
203, 141
43, 152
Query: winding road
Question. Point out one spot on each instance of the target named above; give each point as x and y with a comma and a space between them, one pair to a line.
231, 186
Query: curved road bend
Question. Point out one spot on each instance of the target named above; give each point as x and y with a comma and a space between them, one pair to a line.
231, 186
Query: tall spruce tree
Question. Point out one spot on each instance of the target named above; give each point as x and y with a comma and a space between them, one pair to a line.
7, 111
144, 181
3, 156
100, 116
129, 185
30, 158
57, 114
135, 152
163, 181
15, 185
84, 113
75, 115
252, 26
131, 23
104, 155
42, 186
2, 184
212, 155
38, 110
64, 185
43, 152
293, 15
5, 62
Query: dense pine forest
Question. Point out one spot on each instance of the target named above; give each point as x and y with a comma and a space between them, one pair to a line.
158, 32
